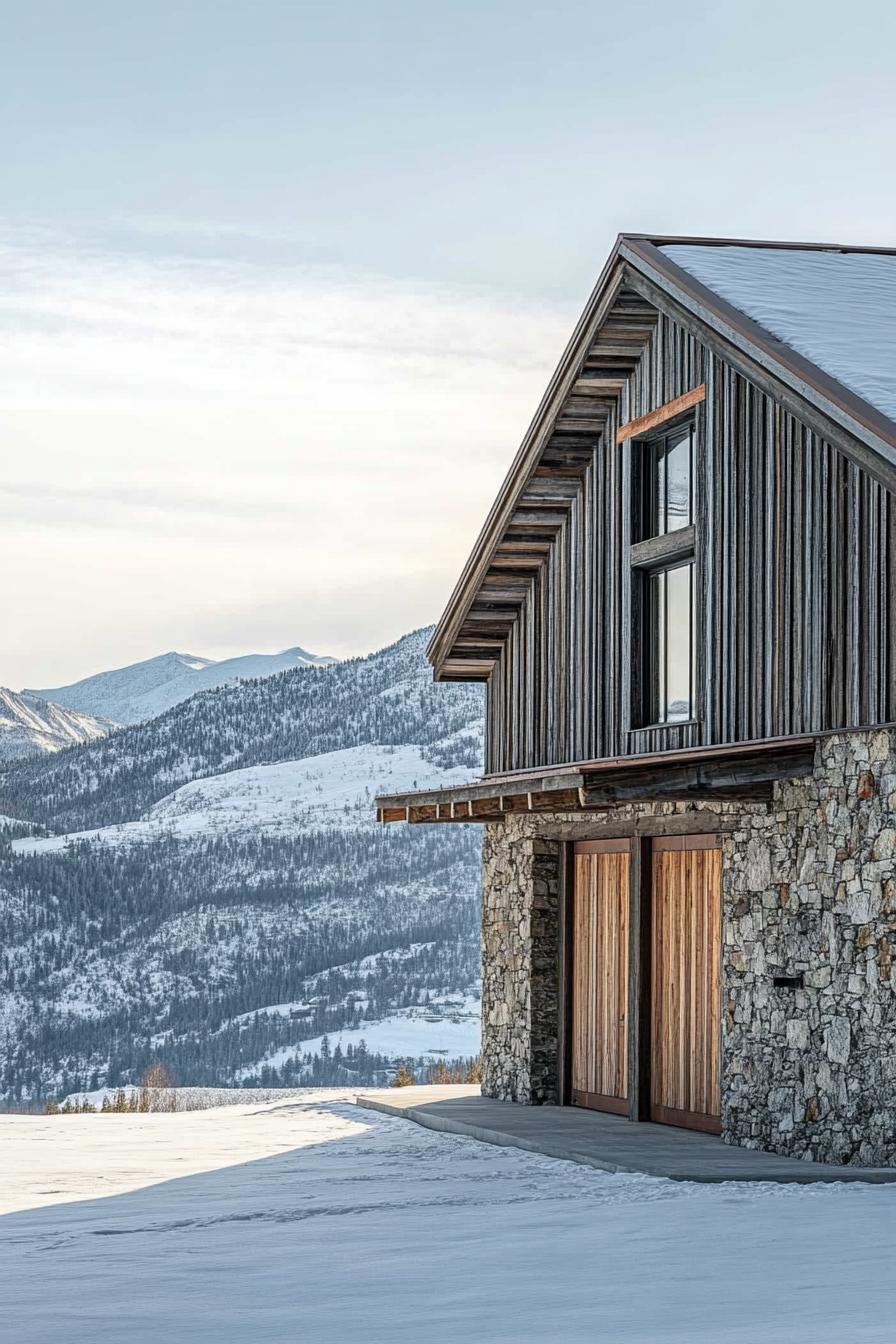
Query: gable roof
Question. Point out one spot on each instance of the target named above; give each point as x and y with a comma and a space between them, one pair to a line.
837, 309
813, 325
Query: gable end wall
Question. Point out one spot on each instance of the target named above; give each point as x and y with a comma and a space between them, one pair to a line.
796, 550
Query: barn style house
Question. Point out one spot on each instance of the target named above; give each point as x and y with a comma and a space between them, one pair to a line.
682, 607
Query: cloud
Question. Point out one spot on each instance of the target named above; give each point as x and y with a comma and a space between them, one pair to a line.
93, 328
200, 434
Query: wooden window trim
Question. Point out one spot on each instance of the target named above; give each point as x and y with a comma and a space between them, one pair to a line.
662, 552
645, 423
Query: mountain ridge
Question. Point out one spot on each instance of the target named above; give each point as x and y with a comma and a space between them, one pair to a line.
31, 725
143, 690
387, 698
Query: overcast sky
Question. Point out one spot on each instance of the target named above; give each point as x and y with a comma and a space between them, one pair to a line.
282, 283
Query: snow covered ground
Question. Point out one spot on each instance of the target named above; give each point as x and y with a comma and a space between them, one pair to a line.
309, 1219
434, 1032
332, 791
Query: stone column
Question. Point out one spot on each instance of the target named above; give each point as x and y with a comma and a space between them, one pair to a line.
520, 949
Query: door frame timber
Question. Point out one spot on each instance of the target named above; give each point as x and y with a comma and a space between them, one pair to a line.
640, 842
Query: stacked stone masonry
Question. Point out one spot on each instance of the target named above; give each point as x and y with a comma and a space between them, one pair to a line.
808, 890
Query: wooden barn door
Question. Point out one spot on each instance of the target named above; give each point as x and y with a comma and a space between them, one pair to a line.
686, 949
600, 952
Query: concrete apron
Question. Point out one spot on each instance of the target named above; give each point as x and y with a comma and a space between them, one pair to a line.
607, 1142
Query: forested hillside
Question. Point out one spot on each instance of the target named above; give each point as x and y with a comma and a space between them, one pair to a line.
255, 924
388, 698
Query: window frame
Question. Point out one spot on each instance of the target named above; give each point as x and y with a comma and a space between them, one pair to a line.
652, 553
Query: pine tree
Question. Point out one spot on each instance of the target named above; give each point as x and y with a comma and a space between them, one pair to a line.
403, 1077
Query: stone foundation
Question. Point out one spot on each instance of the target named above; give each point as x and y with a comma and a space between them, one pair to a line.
809, 890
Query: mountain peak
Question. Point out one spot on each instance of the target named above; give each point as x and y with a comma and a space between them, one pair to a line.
30, 725
143, 690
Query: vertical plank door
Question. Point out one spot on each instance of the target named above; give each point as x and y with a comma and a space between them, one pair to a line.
685, 956
600, 918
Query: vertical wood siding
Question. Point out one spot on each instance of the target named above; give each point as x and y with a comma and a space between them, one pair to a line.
796, 601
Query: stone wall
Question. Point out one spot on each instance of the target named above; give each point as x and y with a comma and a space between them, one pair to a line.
810, 890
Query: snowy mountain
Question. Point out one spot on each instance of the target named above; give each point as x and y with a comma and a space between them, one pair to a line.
32, 726
210, 888
143, 690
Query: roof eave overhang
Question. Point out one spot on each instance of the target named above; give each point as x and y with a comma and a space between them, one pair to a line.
745, 771
865, 435
525, 460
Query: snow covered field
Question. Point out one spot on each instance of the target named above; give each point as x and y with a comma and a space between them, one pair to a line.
333, 791
414, 1033
309, 1219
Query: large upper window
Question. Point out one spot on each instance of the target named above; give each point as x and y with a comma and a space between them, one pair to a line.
670, 612
664, 560
668, 471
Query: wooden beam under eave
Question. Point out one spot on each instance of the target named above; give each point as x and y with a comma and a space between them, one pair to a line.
555, 800
490, 613
548, 494
474, 655
503, 588
517, 595
478, 634
744, 778
388, 814
486, 809
515, 544
516, 563
515, 802
586, 427
616, 350
460, 670
476, 645
608, 387
758, 791
531, 519
580, 405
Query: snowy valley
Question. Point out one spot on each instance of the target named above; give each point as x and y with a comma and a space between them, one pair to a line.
209, 888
